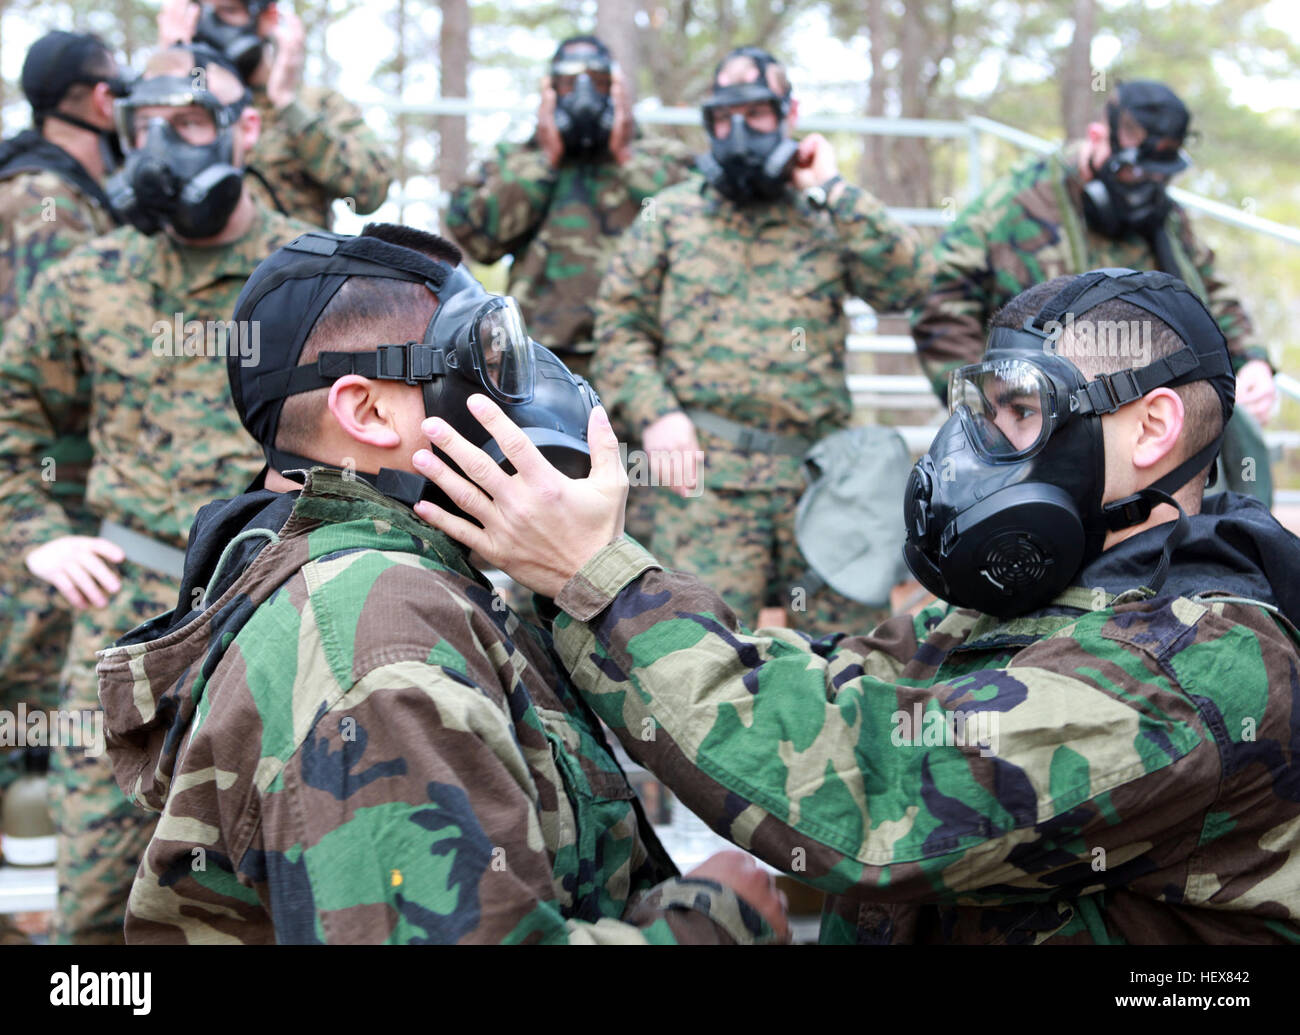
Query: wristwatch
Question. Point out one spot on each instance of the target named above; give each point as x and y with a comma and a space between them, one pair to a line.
817, 195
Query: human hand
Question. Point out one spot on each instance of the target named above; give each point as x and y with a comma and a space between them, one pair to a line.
548, 134
674, 452
814, 164
290, 39
73, 565
1256, 391
178, 20
620, 137
539, 526
739, 872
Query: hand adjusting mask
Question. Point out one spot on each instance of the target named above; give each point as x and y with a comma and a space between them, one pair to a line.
475, 342
238, 44
1127, 192
748, 165
1006, 507
168, 181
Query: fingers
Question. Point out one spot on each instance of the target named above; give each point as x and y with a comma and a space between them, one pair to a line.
462, 492
606, 459
83, 581
68, 591
514, 444
107, 549
458, 528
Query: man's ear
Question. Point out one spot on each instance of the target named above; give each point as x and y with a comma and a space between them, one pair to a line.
793, 117
1097, 147
1158, 427
359, 409
101, 102
267, 21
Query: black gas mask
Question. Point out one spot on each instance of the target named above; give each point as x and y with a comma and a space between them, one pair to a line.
238, 44
476, 342
1127, 192
584, 106
1006, 507
747, 165
168, 181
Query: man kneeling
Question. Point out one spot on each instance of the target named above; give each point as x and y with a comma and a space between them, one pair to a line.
349, 736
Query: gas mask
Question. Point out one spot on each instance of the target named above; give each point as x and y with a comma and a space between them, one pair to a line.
238, 44
168, 181
476, 342
1127, 192
747, 165
584, 112
1006, 507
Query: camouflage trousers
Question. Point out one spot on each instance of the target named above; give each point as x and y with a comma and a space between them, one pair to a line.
742, 545
102, 836
35, 623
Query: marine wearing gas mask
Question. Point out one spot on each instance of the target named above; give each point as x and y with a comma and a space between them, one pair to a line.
1006, 507
747, 165
239, 44
475, 342
582, 77
1127, 192
180, 170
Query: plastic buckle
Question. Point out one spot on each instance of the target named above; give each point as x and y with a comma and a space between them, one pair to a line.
1125, 393
390, 363
1131, 510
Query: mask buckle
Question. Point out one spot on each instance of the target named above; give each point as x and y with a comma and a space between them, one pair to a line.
1108, 392
1125, 513
413, 363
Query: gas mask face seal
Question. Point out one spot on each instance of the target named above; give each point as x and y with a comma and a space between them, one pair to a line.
170, 179
238, 44
1006, 506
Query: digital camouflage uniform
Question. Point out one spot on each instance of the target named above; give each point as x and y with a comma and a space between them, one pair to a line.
83, 353
43, 216
359, 744
1138, 778
317, 150
561, 225
738, 311
1029, 227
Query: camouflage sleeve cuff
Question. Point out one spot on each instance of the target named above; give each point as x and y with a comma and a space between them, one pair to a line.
295, 117
855, 204
529, 164
692, 899
601, 579
1241, 356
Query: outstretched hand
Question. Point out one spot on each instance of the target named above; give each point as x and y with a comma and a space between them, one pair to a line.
539, 526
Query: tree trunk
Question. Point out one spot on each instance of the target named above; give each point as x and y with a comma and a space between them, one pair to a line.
913, 160
453, 58
874, 174
1078, 100
616, 25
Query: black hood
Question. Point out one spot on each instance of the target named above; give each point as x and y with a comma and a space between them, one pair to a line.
215, 527
29, 152
1234, 545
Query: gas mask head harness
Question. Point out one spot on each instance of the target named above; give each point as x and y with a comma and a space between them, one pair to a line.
238, 44
168, 180
582, 72
1006, 507
747, 165
475, 342
1127, 192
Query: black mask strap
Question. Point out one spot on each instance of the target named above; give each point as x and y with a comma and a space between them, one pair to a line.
413, 363
404, 486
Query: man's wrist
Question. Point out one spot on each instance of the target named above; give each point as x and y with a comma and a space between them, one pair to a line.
603, 577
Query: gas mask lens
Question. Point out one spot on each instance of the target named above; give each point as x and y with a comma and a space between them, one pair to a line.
502, 350
566, 74
1006, 406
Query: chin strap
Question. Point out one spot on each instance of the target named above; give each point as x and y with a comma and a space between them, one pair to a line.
1135, 509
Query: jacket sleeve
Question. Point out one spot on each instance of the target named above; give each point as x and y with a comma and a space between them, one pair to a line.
44, 394
887, 265
625, 367
337, 148
1222, 301
417, 820
826, 761
949, 325
499, 208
